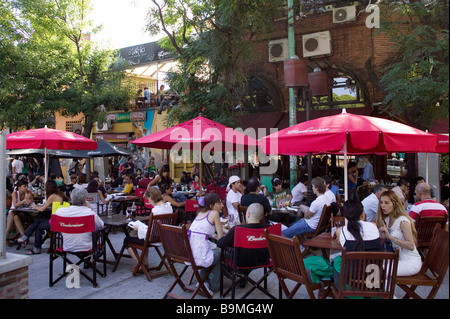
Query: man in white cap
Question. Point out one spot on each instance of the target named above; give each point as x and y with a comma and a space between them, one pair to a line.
234, 195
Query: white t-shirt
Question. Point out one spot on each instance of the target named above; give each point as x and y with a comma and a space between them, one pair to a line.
233, 197
165, 208
369, 232
78, 242
17, 166
331, 196
370, 205
297, 192
316, 208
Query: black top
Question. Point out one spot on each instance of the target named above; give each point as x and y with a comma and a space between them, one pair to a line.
249, 199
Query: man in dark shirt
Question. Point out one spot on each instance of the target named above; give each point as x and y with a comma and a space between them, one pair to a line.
251, 257
254, 187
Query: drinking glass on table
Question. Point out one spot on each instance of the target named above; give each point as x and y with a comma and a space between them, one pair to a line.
231, 220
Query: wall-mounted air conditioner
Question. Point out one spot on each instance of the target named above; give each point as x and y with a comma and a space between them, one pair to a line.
278, 50
316, 44
105, 126
344, 14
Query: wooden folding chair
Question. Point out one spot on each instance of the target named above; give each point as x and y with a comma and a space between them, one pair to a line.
152, 240
367, 274
178, 250
242, 210
322, 226
433, 269
246, 239
288, 265
425, 227
77, 225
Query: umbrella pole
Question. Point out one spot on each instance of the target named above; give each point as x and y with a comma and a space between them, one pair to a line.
46, 164
426, 168
200, 173
345, 171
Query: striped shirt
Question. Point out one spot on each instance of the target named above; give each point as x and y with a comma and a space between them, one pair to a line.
427, 207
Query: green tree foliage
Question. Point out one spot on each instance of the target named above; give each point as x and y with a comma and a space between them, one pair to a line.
48, 65
213, 40
416, 85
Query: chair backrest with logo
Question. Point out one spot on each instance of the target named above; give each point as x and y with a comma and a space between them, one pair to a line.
191, 205
251, 246
72, 225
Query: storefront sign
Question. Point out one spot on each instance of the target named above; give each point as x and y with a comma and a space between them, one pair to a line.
127, 117
112, 136
123, 117
144, 53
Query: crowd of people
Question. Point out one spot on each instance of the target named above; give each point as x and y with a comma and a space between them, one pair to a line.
382, 221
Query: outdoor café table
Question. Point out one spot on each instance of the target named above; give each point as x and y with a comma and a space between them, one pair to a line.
285, 212
325, 242
121, 221
30, 212
124, 199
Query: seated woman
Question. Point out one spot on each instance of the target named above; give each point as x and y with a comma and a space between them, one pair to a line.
166, 191
356, 235
21, 197
196, 182
396, 226
205, 225
95, 196
41, 223
154, 196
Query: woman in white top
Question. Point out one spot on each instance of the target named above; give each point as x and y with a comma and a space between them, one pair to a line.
205, 225
396, 226
154, 196
355, 235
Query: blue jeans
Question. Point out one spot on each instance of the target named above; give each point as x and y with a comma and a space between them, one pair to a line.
214, 276
297, 228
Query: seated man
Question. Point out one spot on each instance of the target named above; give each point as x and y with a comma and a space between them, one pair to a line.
402, 190
425, 206
255, 220
253, 187
300, 191
80, 207
311, 214
129, 186
371, 202
234, 195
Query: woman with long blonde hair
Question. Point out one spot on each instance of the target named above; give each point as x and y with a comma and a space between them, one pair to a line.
396, 226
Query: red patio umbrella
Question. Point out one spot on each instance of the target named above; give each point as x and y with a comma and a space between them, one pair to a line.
196, 134
350, 134
47, 138
442, 143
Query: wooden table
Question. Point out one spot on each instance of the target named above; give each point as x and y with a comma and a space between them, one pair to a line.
121, 221
124, 199
285, 213
325, 242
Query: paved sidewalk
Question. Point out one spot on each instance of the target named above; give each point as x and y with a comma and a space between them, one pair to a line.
122, 285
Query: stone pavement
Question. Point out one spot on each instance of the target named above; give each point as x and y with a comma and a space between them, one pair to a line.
122, 285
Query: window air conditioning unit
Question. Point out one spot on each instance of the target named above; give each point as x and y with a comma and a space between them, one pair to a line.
106, 126
344, 14
316, 44
278, 50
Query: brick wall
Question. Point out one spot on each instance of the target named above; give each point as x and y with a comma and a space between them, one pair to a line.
361, 51
14, 284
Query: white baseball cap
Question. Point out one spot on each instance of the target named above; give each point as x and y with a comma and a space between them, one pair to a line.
232, 180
